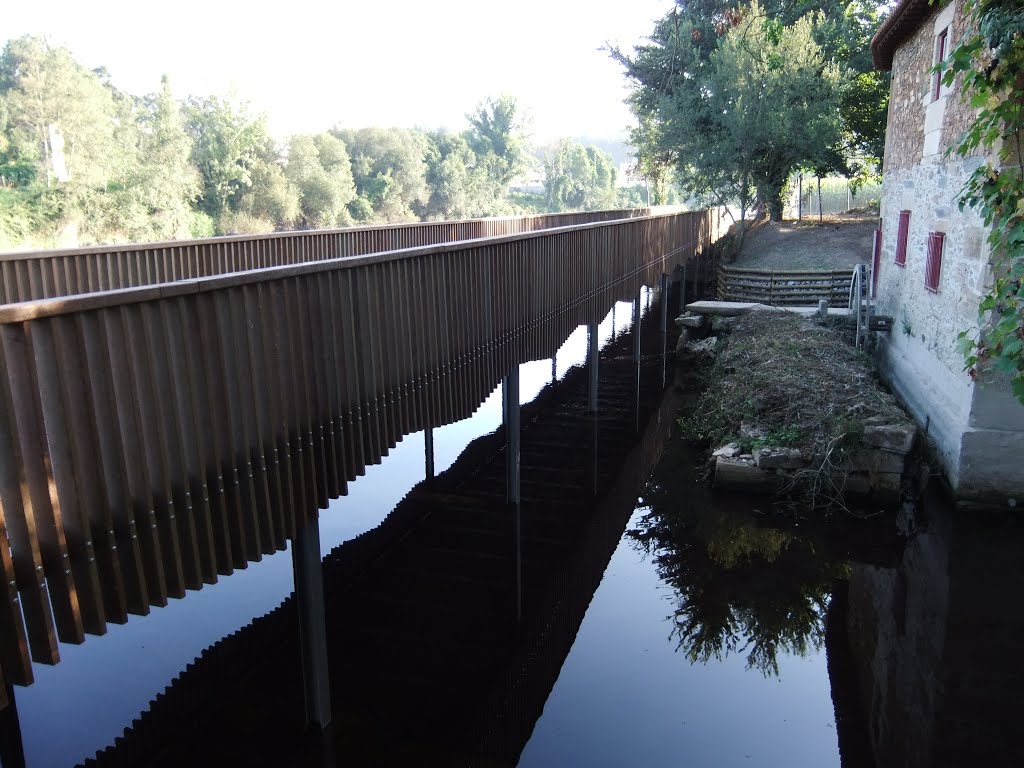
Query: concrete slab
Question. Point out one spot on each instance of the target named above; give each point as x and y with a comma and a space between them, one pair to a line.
737, 308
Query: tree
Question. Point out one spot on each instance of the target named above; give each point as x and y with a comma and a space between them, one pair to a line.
388, 170
60, 114
228, 144
737, 99
578, 178
453, 179
319, 168
168, 183
60, 144
271, 197
497, 135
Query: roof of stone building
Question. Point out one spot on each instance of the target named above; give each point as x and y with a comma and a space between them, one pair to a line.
901, 24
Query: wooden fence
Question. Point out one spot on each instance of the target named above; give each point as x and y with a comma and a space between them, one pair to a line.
157, 437
784, 287
32, 275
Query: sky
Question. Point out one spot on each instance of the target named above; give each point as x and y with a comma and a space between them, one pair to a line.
312, 65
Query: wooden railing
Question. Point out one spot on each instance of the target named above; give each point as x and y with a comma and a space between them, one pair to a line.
28, 276
154, 438
784, 287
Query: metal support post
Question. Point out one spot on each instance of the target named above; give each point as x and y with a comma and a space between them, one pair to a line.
682, 291
309, 596
554, 368
510, 409
592, 357
510, 406
428, 450
636, 356
664, 303
636, 329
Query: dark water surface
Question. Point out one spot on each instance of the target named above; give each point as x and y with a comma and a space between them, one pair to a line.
620, 615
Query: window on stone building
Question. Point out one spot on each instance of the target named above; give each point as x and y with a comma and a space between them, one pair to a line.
901, 238
940, 54
933, 267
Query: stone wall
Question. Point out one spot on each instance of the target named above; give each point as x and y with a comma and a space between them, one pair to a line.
921, 127
973, 428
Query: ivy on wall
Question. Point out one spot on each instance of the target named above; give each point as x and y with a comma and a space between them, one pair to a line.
990, 60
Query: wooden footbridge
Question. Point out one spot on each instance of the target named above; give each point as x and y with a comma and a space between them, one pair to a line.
448, 624
169, 413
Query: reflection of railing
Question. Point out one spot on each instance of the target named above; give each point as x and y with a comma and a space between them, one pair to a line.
154, 438
47, 274
425, 641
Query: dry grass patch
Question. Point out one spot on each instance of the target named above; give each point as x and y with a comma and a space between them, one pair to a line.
796, 383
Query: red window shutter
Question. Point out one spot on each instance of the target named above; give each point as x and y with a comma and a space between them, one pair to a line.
901, 238
876, 260
933, 267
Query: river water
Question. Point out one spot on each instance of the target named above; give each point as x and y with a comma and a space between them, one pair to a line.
621, 615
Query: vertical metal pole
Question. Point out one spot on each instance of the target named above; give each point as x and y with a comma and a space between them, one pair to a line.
698, 292
428, 450
800, 197
554, 368
664, 325
592, 357
613, 320
636, 358
309, 596
636, 329
664, 302
510, 406
819, 199
682, 291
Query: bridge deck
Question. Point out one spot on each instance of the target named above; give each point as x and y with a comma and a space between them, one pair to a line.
156, 438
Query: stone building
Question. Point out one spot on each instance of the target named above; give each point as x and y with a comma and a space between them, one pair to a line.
933, 265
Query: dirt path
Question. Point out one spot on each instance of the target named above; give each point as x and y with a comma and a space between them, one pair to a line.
840, 241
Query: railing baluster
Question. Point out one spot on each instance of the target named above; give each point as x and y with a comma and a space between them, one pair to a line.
67, 491
40, 501
192, 456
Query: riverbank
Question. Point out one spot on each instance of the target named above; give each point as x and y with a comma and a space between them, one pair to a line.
790, 408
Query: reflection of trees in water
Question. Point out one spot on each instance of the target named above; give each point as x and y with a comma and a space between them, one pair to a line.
740, 586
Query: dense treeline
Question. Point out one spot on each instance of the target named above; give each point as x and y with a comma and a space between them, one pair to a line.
736, 98
82, 162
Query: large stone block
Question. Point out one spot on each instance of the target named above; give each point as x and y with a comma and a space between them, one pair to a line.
774, 457
891, 437
690, 321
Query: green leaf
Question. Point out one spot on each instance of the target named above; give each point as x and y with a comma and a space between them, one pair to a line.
1017, 384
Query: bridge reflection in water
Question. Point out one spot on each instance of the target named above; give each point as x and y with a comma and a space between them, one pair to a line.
447, 625
155, 438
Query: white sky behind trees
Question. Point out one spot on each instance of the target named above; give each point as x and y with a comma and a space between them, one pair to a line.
311, 65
